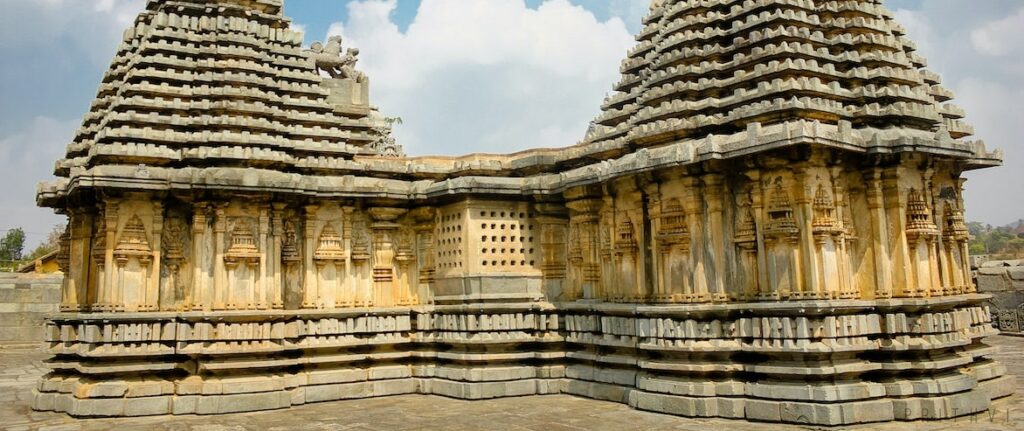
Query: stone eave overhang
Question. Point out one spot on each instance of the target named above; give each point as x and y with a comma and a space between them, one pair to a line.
475, 175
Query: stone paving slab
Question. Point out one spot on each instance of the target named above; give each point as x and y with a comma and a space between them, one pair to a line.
20, 367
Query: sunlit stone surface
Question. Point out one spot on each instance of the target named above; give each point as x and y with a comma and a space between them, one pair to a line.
765, 223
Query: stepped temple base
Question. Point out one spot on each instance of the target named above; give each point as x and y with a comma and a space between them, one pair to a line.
811, 362
784, 178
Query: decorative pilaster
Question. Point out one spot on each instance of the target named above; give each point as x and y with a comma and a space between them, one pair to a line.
693, 206
808, 280
151, 297
310, 294
385, 229
553, 230
424, 224
220, 278
880, 237
276, 260
715, 197
107, 298
75, 296
199, 298
584, 250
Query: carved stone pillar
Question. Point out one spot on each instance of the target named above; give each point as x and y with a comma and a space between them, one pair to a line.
310, 294
693, 206
746, 239
199, 296
584, 244
76, 283
652, 251
220, 278
275, 296
964, 237
361, 260
151, 297
879, 249
424, 224
405, 258
351, 283
553, 222
715, 196
809, 278
757, 207
108, 299
262, 288
384, 228
843, 235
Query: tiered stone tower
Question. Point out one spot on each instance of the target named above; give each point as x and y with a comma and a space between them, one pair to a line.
765, 222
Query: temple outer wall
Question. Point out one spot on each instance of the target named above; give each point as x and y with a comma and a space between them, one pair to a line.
25, 302
1004, 280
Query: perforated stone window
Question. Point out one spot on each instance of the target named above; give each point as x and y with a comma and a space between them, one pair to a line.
507, 238
449, 235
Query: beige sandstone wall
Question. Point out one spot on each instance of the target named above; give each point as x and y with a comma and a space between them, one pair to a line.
25, 301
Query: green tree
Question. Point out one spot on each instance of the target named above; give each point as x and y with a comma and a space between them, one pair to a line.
11, 248
50, 244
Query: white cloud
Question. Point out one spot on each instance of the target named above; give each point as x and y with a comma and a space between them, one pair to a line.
1000, 37
93, 27
918, 28
631, 11
487, 75
51, 48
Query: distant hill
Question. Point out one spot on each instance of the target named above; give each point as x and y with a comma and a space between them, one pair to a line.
1002, 242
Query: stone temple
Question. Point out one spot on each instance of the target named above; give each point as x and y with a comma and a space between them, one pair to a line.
765, 222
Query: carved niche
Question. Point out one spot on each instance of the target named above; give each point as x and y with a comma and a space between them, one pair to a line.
919, 217
134, 257
175, 248
242, 260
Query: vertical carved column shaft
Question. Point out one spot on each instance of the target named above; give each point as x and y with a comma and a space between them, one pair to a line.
757, 212
108, 297
261, 289
350, 283
151, 298
693, 205
76, 282
656, 269
198, 297
310, 295
879, 234
965, 265
714, 193
809, 278
276, 294
220, 277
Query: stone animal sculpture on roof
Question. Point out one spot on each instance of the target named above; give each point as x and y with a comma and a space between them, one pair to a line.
329, 59
754, 228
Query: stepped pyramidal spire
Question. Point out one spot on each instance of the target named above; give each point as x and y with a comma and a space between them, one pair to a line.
224, 83
771, 176
704, 67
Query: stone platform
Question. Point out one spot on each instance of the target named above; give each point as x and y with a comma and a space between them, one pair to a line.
21, 369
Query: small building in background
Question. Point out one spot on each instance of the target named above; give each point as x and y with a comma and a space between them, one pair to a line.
45, 264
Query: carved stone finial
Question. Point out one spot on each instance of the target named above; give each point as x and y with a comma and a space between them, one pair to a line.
385, 144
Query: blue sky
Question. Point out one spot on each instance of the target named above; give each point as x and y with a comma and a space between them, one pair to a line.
475, 75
